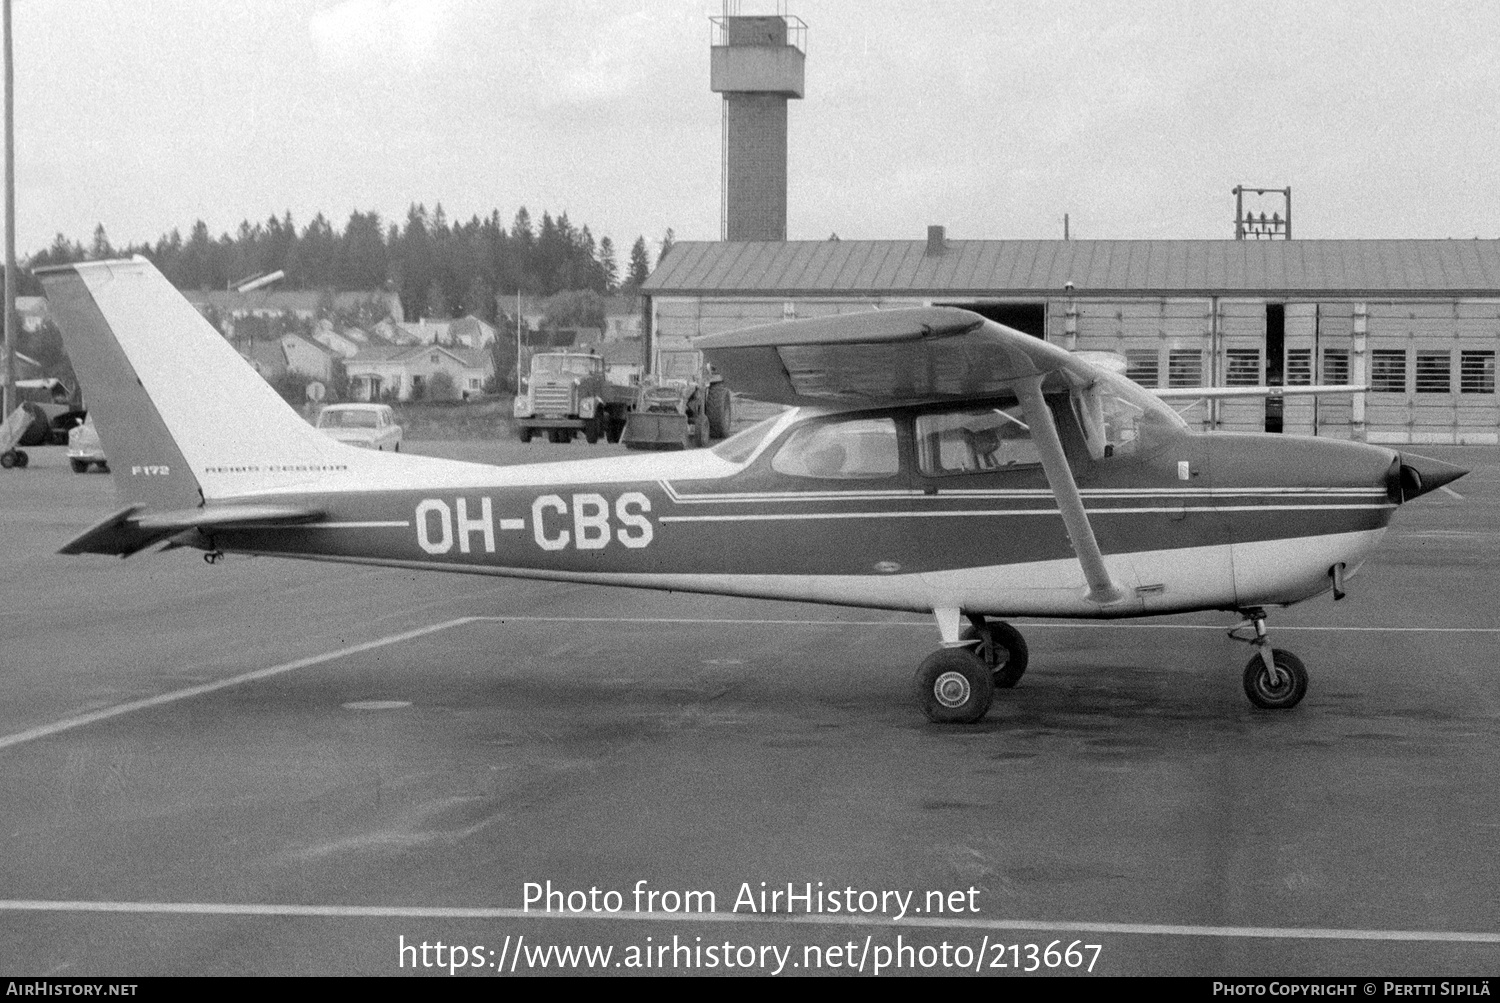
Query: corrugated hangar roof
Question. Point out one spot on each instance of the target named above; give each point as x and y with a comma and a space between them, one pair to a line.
1377, 268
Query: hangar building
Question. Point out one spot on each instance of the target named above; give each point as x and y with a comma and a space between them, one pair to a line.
1417, 320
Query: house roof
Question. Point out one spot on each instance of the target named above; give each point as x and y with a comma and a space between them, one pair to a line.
471, 358
311, 345
267, 354
1094, 267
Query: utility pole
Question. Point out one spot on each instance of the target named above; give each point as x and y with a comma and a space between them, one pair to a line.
10, 223
1248, 227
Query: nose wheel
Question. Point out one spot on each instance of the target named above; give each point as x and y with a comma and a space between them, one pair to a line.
1274, 679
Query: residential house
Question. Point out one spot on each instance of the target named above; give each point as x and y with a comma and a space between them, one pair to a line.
303, 356
406, 371
33, 312
622, 360
229, 306
471, 332
290, 353
345, 343
466, 332
622, 318
265, 357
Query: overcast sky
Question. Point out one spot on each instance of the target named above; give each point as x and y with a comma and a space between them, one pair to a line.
993, 118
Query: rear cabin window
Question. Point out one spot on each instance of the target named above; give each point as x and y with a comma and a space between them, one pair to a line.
974, 441
865, 447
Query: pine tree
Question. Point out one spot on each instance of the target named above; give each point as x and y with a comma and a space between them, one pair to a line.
640, 265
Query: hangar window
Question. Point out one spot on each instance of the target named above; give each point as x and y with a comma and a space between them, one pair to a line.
1388, 370
1434, 372
1242, 367
866, 447
974, 441
1476, 374
1335, 366
1142, 366
1185, 367
1299, 367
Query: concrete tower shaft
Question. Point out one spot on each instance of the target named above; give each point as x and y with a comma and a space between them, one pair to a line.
757, 63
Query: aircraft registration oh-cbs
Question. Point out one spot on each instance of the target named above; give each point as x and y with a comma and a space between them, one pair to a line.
931, 460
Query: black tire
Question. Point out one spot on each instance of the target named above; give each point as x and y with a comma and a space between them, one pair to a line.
79, 466
698, 434
21, 458
613, 429
593, 429
720, 411
396, 448
1293, 686
103, 467
1002, 648
559, 435
38, 427
524, 432
954, 687
8, 459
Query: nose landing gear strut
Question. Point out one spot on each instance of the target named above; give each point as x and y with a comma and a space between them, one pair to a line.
1274, 679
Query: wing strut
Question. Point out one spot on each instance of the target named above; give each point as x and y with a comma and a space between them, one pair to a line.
1102, 589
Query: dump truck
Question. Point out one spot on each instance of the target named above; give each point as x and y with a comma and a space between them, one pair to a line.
568, 393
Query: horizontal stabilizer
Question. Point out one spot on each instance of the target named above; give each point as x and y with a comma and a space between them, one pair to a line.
129, 530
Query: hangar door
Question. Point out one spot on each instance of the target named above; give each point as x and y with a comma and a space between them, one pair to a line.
1267, 344
1331, 365
1165, 342
1432, 372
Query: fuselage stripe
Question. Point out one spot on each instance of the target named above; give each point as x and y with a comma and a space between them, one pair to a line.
764, 517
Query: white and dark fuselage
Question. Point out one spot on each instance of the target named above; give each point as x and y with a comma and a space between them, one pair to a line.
1192, 521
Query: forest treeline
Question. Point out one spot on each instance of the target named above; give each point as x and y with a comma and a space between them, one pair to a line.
439, 268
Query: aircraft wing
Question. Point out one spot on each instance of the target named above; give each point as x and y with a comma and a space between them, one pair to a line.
129, 530
919, 353
1224, 393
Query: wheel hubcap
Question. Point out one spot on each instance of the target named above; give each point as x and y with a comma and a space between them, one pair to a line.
951, 689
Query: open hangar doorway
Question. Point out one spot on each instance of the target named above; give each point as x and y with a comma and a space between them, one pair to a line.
1028, 318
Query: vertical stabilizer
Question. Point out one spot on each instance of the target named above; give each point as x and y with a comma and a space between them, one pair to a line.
177, 409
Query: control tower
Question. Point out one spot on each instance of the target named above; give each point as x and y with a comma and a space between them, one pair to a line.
756, 62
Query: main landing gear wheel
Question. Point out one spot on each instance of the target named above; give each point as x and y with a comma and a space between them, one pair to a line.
954, 686
1283, 692
1002, 648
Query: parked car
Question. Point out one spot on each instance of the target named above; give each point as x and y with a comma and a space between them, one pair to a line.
372, 426
84, 448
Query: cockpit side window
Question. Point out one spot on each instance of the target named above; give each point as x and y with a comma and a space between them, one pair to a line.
864, 447
977, 440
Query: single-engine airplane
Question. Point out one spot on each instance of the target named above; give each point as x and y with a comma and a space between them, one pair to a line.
931, 460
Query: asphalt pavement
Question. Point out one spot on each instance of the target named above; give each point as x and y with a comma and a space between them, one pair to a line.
274, 767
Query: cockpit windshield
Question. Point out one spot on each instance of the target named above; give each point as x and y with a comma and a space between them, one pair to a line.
564, 365
1120, 418
742, 445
